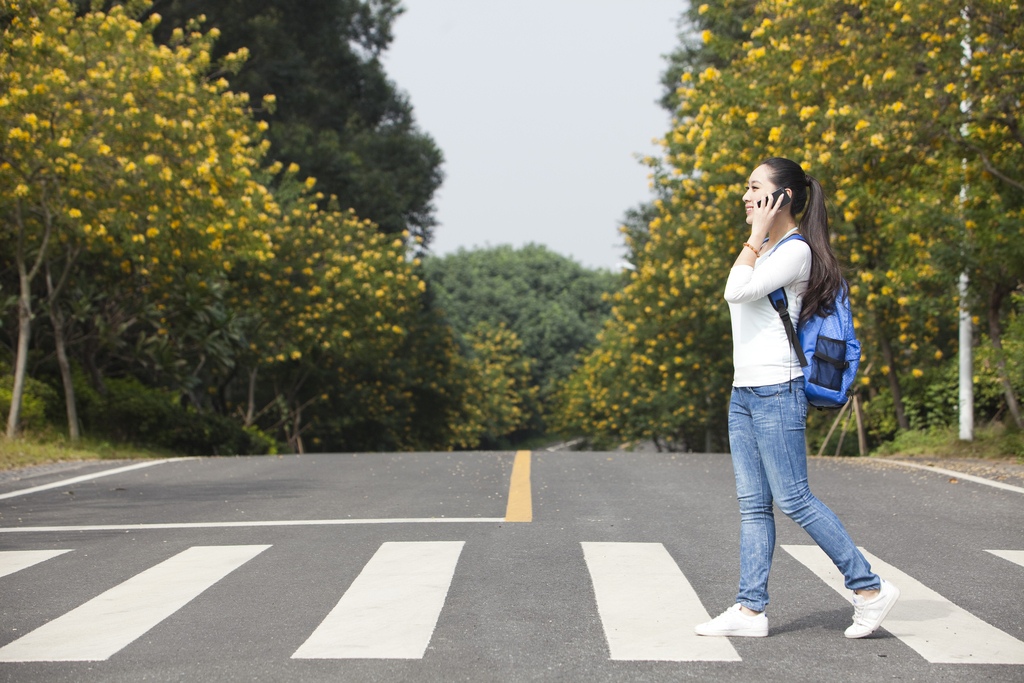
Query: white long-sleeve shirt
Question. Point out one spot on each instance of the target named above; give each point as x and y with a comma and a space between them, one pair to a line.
761, 352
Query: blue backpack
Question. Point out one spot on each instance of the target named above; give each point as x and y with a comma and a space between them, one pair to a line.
831, 343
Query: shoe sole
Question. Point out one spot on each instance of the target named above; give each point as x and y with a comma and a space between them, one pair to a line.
885, 613
741, 633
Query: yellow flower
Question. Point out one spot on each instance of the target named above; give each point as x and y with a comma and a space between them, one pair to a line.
74, 213
706, 35
752, 118
296, 355
798, 66
64, 142
21, 190
152, 159
862, 124
916, 373
293, 167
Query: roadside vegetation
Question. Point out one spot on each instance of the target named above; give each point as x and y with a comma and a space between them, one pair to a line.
909, 114
173, 275
216, 221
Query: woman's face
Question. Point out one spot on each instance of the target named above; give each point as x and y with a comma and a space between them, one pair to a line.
759, 186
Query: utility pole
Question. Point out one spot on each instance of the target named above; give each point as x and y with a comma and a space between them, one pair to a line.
966, 403
966, 364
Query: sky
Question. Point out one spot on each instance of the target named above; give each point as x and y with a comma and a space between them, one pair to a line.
540, 108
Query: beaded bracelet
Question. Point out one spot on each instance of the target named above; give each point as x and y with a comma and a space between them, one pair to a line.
748, 244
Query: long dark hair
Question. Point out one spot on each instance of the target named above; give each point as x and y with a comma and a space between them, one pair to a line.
826, 280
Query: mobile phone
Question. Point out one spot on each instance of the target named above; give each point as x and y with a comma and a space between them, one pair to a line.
775, 196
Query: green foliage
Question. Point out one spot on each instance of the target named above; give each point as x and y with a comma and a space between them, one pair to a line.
501, 397
39, 402
134, 413
726, 18
338, 116
878, 103
990, 441
554, 305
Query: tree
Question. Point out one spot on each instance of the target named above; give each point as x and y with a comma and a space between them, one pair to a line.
875, 100
90, 108
338, 116
554, 305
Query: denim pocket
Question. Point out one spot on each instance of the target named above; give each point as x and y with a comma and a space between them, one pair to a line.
795, 409
768, 391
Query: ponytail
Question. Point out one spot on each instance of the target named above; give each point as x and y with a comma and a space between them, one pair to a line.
826, 281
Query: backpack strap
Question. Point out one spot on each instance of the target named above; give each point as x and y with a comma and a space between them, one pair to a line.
780, 303
781, 306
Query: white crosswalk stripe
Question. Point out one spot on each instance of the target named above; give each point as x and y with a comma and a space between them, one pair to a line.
391, 609
15, 560
934, 627
647, 607
112, 620
1015, 556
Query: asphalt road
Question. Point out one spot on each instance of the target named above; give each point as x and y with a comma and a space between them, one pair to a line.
516, 601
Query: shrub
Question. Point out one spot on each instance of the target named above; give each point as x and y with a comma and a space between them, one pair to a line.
39, 402
133, 412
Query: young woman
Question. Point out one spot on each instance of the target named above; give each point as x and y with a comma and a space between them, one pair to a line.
768, 410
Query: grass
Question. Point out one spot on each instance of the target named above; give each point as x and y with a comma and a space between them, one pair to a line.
991, 442
47, 447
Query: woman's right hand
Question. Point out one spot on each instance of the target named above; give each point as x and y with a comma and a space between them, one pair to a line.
763, 216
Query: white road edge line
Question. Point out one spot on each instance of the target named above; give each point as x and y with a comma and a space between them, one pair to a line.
87, 477
953, 473
230, 525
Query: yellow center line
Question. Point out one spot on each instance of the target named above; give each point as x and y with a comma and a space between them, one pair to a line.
520, 500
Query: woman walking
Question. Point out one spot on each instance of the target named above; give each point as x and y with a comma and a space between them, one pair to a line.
768, 410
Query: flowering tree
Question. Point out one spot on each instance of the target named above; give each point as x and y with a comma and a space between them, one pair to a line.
918, 146
111, 145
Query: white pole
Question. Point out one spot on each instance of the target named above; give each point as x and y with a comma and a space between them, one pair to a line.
966, 365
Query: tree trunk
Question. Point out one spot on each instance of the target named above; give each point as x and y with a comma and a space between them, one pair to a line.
57, 320
25, 278
894, 383
95, 376
862, 437
995, 333
21, 360
250, 413
298, 431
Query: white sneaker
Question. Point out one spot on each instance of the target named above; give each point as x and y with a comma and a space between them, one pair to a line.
733, 622
868, 614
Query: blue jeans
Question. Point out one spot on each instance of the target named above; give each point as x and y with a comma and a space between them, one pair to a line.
769, 457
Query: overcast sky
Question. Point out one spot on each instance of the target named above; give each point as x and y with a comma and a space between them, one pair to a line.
539, 107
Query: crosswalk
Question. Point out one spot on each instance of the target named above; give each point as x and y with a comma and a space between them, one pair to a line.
646, 605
